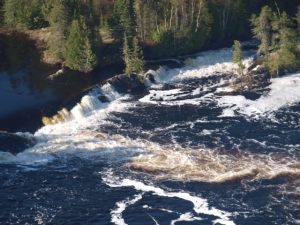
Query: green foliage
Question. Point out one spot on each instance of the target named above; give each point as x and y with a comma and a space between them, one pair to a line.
273, 63
127, 56
283, 56
23, 14
137, 56
287, 43
298, 20
165, 28
238, 56
278, 36
298, 29
164, 41
262, 28
57, 16
79, 55
123, 19
133, 56
56, 13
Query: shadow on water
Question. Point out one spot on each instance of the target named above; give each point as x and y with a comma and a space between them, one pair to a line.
26, 93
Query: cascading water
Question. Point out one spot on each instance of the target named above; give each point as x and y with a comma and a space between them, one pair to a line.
187, 151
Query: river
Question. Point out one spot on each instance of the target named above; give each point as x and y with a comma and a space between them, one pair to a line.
187, 150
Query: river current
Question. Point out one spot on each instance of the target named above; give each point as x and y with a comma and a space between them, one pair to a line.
188, 150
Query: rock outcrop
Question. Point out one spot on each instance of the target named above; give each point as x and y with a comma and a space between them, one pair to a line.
256, 76
127, 83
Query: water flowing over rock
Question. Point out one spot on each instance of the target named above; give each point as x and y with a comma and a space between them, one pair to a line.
180, 145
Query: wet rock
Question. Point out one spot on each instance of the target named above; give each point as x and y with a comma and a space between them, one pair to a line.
14, 143
127, 83
150, 75
103, 98
57, 74
256, 77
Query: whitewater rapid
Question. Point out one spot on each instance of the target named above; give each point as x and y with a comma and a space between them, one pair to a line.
169, 143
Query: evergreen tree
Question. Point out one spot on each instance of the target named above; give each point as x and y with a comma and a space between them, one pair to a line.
79, 55
124, 19
287, 44
298, 26
238, 56
137, 56
127, 56
133, 56
262, 28
273, 63
23, 14
284, 55
57, 16
298, 19
90, 59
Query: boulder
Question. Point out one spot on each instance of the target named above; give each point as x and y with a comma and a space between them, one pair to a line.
150, 75
127, 83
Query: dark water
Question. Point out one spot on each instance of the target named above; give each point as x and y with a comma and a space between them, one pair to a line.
187, 151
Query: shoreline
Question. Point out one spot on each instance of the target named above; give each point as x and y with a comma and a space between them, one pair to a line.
35, 113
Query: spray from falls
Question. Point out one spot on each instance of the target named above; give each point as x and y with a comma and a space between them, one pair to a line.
89, 103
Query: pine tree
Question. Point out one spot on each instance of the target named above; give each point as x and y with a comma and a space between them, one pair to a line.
124, 19
287, 43
284, 55
298, 20
127, 56
238, 56
23, 14
57, 16
262, 28
79, 55
9, 13
90, 61
298, 29
273, 63
133, 56
137, 56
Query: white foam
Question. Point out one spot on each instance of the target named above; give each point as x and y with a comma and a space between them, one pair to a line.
187, 217
200, 204
27, 157
116, 214
88, 104
283, 92
108, 91
205, 64
160, 95
76, 137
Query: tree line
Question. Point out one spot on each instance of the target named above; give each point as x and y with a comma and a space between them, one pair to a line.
150, 28
279, 36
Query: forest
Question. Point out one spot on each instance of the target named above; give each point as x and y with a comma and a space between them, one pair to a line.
85, 34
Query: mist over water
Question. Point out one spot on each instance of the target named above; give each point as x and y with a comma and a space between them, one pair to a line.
187, 151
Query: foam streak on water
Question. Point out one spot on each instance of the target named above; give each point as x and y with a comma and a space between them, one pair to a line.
200, 205
187, 217
189, 126
116, 214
